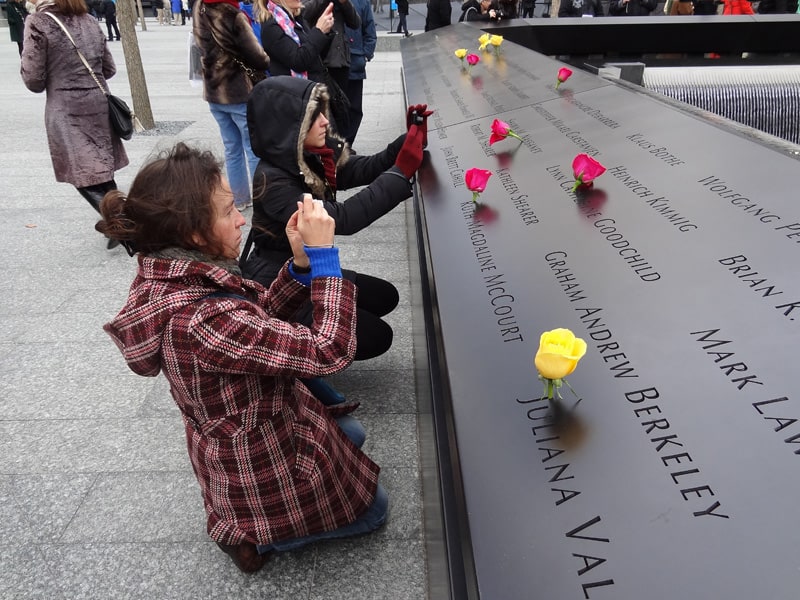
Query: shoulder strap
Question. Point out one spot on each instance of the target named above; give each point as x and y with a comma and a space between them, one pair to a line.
248, 244
80, 54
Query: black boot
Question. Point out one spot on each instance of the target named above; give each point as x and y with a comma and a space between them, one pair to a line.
94, 195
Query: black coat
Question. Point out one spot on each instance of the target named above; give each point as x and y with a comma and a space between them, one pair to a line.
279, 115
439, 14
286, 55
402, 7
568, 8
766, 7
634, 8
110, 10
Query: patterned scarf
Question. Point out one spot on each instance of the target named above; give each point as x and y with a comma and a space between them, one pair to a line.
286, 23
326, 156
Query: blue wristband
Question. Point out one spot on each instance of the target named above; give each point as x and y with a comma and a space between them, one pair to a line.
324, 262
303, 278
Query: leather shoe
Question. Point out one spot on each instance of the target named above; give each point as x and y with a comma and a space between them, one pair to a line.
245, 556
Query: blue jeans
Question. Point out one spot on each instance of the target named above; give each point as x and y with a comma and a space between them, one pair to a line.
373, 518
232, 121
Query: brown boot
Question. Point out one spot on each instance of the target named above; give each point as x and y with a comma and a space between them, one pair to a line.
245, 556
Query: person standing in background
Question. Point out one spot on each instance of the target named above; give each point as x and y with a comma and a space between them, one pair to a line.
337, 58
229, 49
167, 4
110, 13
632, 8
527, 7
402, 11
580, 8
438, 15
16, 13
769, 7
362, 48
83, 147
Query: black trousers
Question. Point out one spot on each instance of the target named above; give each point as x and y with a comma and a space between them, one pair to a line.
109, 24
376, 298
355, 93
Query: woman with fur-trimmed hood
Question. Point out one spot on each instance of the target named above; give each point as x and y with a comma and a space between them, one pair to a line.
288, 122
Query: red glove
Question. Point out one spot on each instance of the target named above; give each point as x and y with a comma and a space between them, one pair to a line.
410, 156
418, 114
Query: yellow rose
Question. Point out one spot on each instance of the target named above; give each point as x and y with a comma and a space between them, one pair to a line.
559, 353
461, 53
484, 39
496, 40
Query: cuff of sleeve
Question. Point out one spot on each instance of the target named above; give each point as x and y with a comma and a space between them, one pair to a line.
395, 170
302, 278
324, 262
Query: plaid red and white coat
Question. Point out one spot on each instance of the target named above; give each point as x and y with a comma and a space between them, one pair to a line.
271, 462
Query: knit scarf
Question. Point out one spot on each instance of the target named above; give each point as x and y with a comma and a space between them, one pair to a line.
326, 156
176, 253
286, 23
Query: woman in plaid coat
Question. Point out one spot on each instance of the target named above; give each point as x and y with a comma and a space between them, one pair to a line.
276, 469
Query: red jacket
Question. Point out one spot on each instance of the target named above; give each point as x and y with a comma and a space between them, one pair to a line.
738, 7
271, 462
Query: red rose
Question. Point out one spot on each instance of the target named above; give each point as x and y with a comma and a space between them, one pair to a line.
586, 169
476, 179
500, 131
563, 74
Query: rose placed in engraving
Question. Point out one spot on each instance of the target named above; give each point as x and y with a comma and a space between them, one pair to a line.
559, 353
483, 41
476, 180
496, 40
461, 53
472, 60
586, 170
500, 131
563, 74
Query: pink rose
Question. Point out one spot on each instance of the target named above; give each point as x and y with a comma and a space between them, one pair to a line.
586, 169
473, 59
500, 131
563, 74
476, 181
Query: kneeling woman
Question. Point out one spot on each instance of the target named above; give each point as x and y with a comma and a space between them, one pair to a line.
289, 131
276, 468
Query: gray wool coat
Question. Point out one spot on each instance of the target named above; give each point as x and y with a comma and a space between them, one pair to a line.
83, 148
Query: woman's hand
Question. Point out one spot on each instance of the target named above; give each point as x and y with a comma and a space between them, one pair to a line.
315, 225
300, 258
325, 21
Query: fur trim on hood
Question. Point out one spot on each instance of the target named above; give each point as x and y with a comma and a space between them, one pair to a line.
274, 110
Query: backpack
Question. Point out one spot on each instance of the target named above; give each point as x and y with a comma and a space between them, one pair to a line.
464, 13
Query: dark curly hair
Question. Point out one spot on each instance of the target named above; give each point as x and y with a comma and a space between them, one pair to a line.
169, 203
